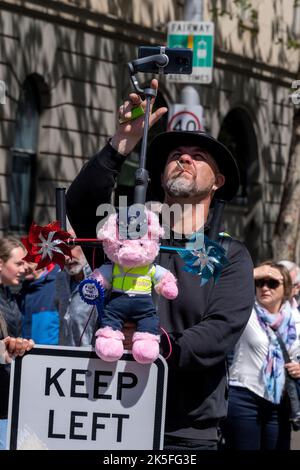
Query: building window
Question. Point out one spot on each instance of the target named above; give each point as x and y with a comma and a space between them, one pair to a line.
244, 214
24, 157
234, 134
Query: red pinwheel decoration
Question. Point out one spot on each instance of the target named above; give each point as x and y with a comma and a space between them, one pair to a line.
47, 245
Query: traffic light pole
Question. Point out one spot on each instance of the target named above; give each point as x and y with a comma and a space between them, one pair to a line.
193, 11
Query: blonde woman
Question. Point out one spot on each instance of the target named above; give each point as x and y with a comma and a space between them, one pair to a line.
258, 413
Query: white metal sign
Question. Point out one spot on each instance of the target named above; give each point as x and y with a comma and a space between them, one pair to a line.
185, 118
67, 398
199, 36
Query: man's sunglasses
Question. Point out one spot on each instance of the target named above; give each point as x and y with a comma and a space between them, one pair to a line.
270, 283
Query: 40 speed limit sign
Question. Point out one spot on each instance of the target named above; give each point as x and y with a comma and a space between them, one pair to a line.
186, 118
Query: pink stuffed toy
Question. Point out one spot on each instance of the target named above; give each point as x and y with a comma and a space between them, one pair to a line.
130, 277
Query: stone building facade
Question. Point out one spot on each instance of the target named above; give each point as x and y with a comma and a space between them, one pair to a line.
64, 66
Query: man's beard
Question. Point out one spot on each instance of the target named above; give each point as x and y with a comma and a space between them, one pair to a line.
181, 187
73, 269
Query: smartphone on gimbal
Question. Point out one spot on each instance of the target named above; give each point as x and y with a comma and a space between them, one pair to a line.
180, 60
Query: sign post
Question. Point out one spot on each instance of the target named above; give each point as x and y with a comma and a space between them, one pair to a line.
64, 398
199, 36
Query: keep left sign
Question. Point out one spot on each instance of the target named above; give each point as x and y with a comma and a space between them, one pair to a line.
66, 398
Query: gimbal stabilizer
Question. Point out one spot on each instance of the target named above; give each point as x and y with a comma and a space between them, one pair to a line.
141, 175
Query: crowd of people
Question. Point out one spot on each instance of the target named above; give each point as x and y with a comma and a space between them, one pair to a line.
240, 320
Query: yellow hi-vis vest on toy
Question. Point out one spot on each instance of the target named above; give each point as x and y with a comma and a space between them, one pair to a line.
132, 281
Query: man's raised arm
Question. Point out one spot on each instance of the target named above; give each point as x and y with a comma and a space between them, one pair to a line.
95, 182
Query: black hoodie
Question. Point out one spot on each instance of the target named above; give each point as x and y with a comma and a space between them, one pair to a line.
203, 323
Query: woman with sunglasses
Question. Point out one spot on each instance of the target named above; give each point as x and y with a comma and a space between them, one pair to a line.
258, 410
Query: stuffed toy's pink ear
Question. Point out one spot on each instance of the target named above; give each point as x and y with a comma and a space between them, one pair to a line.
155, 231
109, 230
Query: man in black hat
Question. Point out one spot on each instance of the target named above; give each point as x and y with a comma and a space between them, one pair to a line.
204, 322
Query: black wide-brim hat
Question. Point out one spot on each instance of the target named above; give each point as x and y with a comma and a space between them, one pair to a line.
164, 143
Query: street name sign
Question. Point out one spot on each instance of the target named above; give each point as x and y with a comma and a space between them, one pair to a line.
66, 398
199, 36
